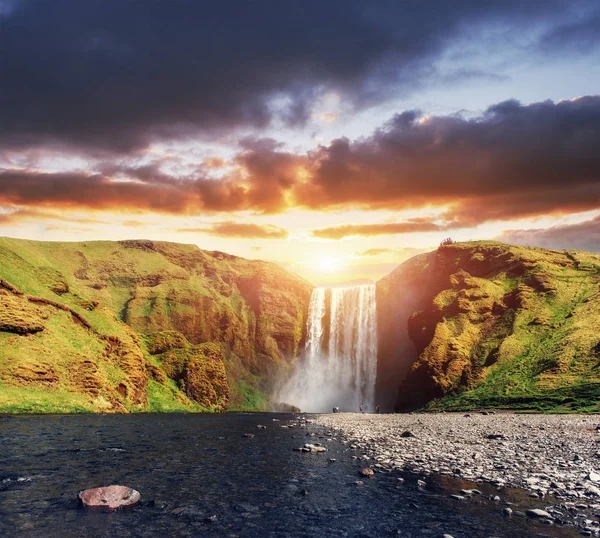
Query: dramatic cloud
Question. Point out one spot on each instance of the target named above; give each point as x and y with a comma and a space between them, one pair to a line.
240, 230
77, 190
513, 161
114, 76
581, 236
389, 228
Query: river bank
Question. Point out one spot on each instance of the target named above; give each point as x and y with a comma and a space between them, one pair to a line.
230, 475
549, 455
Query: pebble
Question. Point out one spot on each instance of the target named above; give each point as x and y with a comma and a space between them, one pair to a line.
538, 452
367, 471
537, 512
593, 476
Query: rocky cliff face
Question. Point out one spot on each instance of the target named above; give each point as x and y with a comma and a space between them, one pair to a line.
142, 325
498, 325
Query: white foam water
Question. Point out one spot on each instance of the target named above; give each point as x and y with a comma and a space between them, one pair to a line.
340, 361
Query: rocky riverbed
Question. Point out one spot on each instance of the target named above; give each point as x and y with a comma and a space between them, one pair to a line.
555, 457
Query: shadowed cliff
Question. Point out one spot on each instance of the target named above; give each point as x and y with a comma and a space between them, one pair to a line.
495, 325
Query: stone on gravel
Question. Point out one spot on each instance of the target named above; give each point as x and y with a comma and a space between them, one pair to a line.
537, 512
593, 476
109, 497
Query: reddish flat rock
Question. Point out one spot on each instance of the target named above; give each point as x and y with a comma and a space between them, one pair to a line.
109, 497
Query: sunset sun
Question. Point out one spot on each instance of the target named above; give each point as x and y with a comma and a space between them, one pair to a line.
328, 264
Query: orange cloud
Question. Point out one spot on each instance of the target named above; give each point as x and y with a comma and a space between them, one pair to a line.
389, 228
240, 230
506, 164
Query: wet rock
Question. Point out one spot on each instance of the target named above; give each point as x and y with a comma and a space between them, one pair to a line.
249, 435
109, 497
458, 497
507, 512
367, 471
246, 507
314, 448
538, 513
470, 492
261, 427
210, 519
421, 483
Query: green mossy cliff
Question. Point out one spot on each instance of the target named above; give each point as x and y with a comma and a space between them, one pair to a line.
497, 325
142, 326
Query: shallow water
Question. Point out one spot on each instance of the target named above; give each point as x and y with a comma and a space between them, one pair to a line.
189, 468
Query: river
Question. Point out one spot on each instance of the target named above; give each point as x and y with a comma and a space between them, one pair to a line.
199, 476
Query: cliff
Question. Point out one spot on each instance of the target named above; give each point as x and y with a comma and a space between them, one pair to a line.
142, 325
495, 325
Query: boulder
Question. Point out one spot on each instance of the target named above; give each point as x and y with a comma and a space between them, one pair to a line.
109, 497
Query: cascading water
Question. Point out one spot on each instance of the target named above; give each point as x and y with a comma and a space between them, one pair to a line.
340, 360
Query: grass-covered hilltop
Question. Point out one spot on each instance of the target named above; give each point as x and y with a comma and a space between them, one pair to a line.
132, 326
497, 326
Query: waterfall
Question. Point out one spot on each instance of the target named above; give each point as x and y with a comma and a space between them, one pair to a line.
340, 360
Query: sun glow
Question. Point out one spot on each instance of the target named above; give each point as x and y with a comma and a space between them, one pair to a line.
328, 264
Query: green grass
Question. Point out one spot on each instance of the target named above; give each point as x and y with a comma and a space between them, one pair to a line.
246, 397
23, 400
543, 357
162, 399
154, 287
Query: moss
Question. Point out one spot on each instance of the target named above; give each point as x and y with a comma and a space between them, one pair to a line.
507, 326
160, 342
17, 315
205, 378
168, 295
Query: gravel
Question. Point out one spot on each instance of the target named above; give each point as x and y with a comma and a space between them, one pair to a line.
556, 455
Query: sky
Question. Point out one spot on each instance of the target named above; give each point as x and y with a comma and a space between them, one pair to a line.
335, 138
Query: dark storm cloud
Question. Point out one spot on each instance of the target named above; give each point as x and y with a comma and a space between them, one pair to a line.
582, 236
76, 190
115, 75
514, 161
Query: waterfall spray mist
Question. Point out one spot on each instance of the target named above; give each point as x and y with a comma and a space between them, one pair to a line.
340, 360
